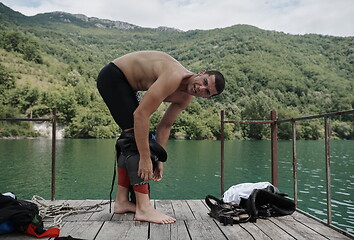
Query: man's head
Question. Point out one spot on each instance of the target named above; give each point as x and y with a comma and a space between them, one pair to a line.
219, 81
206, 84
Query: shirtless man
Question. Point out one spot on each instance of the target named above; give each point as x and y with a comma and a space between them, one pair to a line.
165, 80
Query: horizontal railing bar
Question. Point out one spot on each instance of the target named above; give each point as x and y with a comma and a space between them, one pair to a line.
292, 119
250, 121
26, 119
316, 116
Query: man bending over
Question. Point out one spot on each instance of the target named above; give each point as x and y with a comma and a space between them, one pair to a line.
165, 80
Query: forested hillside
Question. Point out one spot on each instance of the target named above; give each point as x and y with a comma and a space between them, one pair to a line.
52, 60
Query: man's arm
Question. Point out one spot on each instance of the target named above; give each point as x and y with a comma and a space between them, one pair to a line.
161, 89
165, 125
163, 131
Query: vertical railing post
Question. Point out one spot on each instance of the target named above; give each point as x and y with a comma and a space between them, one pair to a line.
54, 130
222, 141
274, 142
295, 164
328, 171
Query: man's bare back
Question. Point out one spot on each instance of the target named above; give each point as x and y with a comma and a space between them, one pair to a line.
143, 68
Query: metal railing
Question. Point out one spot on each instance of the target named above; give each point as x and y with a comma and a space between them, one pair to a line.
53, 120
274, 146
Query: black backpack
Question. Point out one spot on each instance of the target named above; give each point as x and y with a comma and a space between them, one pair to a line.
264, 203
19, 213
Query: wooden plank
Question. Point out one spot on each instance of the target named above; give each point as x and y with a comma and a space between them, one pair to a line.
256, 233
73, 203
182, 210
293, 228
123, 230
160, 231
179, 231
86, 216
129, 216
123, 217
272, 230
235, 232
319, 227
81, 203
165, 206
104, 214
205, 229
199, 210
82, 230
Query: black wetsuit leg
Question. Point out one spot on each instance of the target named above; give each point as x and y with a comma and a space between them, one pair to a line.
121, 101
118, 95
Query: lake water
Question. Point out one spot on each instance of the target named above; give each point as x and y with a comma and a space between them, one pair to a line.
85, 169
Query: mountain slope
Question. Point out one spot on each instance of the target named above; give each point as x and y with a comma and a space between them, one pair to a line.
55, 57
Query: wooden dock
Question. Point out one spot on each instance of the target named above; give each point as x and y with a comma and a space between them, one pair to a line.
193, 222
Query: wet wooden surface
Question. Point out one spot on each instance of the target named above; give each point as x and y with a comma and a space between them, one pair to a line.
193, 222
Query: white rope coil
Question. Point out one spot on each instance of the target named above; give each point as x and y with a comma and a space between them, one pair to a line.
59, 211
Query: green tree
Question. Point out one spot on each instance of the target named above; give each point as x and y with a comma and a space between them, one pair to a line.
342, 130
24, 97
257, 108
7, 81
18, 42
73, 78
31, 52
93, 123
311, 129
285, 129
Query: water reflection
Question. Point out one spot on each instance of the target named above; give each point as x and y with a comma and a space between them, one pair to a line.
85, 169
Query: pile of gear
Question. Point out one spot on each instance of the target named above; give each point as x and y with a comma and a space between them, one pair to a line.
248, 201
27, 216
22, 216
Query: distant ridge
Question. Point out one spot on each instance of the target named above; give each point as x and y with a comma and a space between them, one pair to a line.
81, 19
78, 19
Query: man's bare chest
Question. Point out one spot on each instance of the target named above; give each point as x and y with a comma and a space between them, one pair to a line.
178, 97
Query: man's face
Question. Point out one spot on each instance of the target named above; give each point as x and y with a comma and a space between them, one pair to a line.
203, 86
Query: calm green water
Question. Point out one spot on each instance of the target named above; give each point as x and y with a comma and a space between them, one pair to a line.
85, 168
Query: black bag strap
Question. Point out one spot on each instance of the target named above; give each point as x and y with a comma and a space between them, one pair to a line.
113, 181
226, 213
209, 203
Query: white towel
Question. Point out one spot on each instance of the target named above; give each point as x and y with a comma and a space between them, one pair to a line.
242, 190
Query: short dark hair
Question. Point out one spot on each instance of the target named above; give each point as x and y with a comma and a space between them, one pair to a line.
219, 81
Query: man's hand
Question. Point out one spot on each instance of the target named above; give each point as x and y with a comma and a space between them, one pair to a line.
158, 172
145, 169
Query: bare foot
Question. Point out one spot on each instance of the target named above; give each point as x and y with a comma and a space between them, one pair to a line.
123, 207
152, 215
